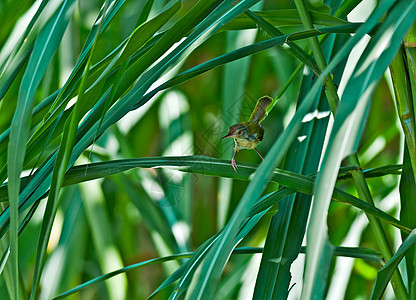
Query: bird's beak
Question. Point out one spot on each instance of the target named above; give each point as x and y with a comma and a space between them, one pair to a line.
228, 135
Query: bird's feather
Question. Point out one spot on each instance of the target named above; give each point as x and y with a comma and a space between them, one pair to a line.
259, 112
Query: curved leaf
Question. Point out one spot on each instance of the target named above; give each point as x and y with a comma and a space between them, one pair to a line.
348, 121
362, 253
43, 51
282, 17
391, 266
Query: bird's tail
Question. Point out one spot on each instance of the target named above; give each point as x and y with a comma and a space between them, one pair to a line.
259, 112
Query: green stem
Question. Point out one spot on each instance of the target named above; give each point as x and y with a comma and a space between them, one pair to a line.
409, 55
375, 224
401, 84
407, 186
330, 90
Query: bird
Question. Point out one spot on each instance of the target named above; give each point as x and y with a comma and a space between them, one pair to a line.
248, 135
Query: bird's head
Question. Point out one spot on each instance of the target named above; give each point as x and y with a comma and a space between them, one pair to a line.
237, 131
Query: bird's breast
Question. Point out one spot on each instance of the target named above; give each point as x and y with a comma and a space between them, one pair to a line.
248, 143
254, 135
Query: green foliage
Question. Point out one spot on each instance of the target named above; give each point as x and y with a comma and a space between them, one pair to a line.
111, 159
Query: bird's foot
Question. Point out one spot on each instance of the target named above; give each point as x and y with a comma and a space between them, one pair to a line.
234, 165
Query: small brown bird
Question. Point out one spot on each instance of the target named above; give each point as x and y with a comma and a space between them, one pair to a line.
249, 134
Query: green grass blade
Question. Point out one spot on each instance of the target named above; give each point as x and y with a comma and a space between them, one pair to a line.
407, 206
379, 233
214, 263
64, 95
232, 98
387, 271
363, 253
231, 57
58, 174
330, 89
152, 216
107, 253
410, 49
123, 270
145, 12
123, 106
3, 259
144, 32
345, 172
6, 272
205, 285
63, 262
135, 41
404, 101
294, 49
66, 90
23, 48
170, 280
346, 7
204, 249
44, 49
183, 26
216, 167
271, 264
286, 232
344, 136
282, 17
243, 52
84, 132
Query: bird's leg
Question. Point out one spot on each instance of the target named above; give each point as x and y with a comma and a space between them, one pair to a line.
233, 164
258, 153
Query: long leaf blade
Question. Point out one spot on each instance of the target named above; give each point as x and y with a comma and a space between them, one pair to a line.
348, 121
390, 267
43, 51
